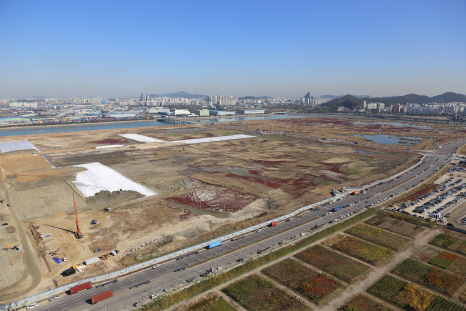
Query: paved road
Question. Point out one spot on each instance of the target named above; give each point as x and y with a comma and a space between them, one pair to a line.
125, 292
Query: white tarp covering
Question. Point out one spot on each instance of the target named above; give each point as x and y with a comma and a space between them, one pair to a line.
16, 145
99, 177
110, 146
212, 139
142, 138
147, 139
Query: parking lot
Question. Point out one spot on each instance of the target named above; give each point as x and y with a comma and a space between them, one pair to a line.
440, 203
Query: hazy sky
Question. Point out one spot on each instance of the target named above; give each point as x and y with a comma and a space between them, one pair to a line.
277, 48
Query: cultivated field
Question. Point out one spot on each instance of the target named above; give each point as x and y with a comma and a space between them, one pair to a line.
255, 293
372, 254
342, 267
317, 288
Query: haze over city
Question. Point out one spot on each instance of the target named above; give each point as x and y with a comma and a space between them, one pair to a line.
274, 48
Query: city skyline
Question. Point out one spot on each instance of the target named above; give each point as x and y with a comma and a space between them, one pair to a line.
273, 48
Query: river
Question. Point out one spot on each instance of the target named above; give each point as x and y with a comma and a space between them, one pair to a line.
47, 129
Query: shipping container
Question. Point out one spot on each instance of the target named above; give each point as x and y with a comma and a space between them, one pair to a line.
336, 208
91, 260
214, 244
101, 296
80, 287
273, 223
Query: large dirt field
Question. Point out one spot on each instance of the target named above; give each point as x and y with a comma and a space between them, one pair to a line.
203, 190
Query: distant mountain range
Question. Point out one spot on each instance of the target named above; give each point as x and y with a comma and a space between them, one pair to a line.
338, 96
352, 102
178, 94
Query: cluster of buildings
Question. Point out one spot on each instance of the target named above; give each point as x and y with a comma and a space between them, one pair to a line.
79, 110
309, 100
456, 109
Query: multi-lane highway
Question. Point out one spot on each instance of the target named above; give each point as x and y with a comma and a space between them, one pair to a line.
164, 276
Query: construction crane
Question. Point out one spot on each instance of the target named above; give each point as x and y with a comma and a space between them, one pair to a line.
79, 234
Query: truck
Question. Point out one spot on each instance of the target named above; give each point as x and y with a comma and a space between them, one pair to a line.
214, 244
101, 296
273, 223
355, 192
80, 287
336, 208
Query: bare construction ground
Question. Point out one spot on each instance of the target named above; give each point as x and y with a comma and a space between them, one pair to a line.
203, 190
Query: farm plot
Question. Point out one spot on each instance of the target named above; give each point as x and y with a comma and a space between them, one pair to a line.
362, 302
409, 296
450, 242
444, 259
399, 226
374, 255
431, 277
220, 305
339, 266
459, 266
255, 293
426, 253
379, 236
318, 288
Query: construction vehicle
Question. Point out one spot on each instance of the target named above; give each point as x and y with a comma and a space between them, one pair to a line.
79, 234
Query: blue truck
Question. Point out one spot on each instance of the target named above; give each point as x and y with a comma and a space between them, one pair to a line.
336, 208
214, 244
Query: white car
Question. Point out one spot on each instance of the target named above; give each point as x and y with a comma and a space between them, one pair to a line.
153, 296
137, 304
33, 305
156, 266
259, 230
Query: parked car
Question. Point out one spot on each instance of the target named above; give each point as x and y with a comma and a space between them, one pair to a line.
137, 304
32, 305
93, 222
156, 266
5, 224
97, 250
53, 298
153, 296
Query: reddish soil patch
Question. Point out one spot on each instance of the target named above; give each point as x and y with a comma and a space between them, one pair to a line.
111, 141
215, 198
269, 182
187, 214
209, 135
255, 172
333, 167
419, 193
303, 166
298, 186
261, 215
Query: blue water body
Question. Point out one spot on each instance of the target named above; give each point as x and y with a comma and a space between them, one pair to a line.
392, 140
362, 151
395, 124
48, 129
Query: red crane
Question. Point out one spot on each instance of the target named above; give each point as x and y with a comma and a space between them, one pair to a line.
79, 234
